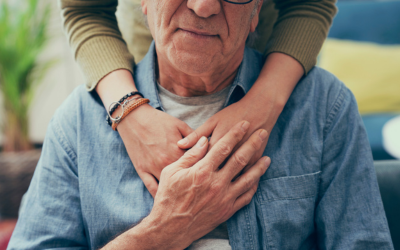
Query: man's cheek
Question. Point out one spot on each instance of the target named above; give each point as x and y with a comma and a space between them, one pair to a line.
167, 8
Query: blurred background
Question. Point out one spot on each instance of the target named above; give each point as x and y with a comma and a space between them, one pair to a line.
38, 71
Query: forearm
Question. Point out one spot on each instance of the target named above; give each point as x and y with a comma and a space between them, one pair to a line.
301, 29
278, 78
114, 86
146, 235
96, 41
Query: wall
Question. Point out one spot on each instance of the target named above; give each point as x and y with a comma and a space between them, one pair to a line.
58, 83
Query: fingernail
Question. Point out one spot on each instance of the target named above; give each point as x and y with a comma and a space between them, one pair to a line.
245, 126
263, 134
201, 142
267, 161
183, 141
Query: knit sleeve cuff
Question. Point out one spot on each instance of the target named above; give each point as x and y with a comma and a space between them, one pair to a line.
101, 55
300, 38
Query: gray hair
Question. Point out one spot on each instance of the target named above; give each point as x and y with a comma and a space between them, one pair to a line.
252, 37
255, 8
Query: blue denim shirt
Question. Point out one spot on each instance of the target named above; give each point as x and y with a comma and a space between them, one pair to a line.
320, 190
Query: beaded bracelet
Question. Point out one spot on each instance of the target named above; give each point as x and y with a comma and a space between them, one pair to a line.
117, 104
123, 105
130, 107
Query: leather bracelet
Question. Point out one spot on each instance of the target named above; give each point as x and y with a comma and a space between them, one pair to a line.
130, 107
109, 119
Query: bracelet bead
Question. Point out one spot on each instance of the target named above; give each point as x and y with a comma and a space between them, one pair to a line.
117, 104
130, 107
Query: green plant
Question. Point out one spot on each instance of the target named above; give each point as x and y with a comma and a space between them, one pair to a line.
23, 35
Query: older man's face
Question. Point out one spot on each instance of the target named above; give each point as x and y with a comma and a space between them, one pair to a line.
198, 36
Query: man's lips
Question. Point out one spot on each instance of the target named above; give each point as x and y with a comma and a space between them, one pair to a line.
198, 33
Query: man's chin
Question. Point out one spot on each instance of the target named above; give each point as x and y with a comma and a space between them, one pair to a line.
194, 62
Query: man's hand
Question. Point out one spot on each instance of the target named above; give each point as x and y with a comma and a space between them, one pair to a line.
150, 138
197, 194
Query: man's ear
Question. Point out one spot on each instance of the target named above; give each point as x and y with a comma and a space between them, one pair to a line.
144, 6
254, 21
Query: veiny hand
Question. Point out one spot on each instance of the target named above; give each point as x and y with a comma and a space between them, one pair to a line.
196, 193
217, 125
150, 137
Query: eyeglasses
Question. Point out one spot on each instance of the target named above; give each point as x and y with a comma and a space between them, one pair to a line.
238, 1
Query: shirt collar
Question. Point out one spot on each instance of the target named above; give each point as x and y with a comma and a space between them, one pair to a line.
247, 74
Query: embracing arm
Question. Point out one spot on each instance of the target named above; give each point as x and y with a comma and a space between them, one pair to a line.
301, 29
292, 50
95, 39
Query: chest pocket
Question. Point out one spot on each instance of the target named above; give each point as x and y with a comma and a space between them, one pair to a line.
285, 208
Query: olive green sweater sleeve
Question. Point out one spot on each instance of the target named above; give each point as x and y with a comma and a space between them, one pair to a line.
301, 28
96, 41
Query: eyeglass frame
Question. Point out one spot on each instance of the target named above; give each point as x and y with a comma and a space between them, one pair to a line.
237, 2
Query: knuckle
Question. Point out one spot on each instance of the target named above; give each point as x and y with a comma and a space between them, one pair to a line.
255, 144
206, 166
210, 166
248, 182
215, 187
140, 167
229, 198
238, 133
201, 175
224, 149
195, 136
240, 159
190, 156
165, 159
224, 212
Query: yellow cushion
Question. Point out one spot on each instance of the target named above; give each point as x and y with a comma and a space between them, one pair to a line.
370, 71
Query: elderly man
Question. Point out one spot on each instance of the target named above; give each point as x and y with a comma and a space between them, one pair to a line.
320, 190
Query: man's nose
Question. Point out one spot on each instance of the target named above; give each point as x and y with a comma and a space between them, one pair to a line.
205, 8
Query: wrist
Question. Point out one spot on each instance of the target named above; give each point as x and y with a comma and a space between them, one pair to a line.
266, 94
124, 106
142, 236
152, 234
133, 118
114, 86
146, 235
278, 77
